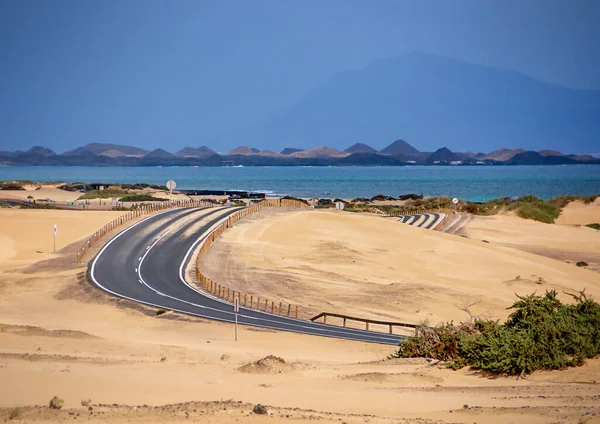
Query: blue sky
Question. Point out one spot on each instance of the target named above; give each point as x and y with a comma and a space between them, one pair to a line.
176, 73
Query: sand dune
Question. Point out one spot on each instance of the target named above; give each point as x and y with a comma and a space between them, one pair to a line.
372, 267
60, 336
579, 213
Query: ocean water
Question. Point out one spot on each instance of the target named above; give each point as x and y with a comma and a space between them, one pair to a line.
474, 183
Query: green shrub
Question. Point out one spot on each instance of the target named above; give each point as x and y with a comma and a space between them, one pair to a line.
595, 226
56, 403
537, 210
140, 198
562, 201
540, 333
86, 402
141, 186
44, 206
582, 263
104, 194
11, 186
14, 414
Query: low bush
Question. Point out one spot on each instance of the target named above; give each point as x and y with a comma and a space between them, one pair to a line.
104, 194
11, 186
141, 186
140, 198
14, 414
73, 187
325, 203
85, 402
562, 201
381, 197
44, 206
595, 226
537, 210
410, 196
540, 333
56, 403
581, 263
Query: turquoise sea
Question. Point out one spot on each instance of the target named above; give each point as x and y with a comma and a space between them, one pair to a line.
474, 183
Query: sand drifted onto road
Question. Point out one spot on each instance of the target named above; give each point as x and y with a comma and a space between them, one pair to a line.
371, 267
59, 336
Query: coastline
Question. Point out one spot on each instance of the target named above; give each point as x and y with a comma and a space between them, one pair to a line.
472, 183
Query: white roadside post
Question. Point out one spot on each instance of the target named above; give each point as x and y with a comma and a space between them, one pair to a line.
54, 249
236, 309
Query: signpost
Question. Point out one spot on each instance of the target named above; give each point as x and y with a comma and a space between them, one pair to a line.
54, 249
455, 201
228, 204
339, 206
236, 309
171, 185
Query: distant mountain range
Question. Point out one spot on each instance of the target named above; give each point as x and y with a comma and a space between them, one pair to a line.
397, 153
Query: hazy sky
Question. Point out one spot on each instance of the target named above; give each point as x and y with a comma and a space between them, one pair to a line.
174, 73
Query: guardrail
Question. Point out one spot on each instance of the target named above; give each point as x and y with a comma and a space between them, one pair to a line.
365, 320
227, 294
143, 209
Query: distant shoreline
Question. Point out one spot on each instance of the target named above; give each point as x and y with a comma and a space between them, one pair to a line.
475, 183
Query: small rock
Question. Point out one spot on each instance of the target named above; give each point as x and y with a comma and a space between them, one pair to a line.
465, 406
259, 409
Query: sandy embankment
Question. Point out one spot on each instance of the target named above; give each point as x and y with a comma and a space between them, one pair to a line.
114, 352
60, 197
580, 213
371, 267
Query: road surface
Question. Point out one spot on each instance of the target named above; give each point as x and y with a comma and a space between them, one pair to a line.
425, 220
146, 263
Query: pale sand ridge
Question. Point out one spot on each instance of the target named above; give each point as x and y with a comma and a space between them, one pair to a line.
113, 351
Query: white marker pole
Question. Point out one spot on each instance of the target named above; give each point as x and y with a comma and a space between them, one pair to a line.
236, 309
54, 238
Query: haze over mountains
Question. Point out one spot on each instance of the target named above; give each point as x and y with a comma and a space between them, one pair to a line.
433, 101
397, 153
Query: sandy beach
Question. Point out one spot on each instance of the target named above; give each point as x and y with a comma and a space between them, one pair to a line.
59, 336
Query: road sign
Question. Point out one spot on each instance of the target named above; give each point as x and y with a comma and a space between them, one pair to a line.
171, 185
228, 203
114, 202
455, 200
236, 309
339, 206
55, 231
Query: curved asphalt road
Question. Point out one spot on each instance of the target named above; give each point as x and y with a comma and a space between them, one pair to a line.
146, 263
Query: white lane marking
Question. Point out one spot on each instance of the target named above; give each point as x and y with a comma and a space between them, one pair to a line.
379, 336
372, 338
292, 321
